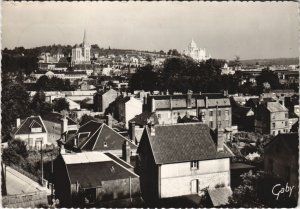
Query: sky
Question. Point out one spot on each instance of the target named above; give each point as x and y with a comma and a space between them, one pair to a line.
250, 30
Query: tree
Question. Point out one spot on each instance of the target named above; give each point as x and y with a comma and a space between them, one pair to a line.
85, 118
60, 104
15, 152
268, 76
14, 104
39, 105
144, 79
173, 52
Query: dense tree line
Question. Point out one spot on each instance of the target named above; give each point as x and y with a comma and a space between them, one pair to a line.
180, 74
53, 84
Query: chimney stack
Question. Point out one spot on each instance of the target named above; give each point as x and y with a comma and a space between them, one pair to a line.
18, 122
64, 124
206, 102
109, 120
220, 140
225, 93
189, 98
132, 131
126, 151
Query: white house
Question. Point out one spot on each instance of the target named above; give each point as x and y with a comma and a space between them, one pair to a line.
33, 131
182, 159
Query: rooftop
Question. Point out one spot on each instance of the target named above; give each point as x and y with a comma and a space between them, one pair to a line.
30, 122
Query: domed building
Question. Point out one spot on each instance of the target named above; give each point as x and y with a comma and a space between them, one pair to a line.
81, 54
194, 52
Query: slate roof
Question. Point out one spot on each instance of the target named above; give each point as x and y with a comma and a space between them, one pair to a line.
118, 160
98, 136
30, 122
276, 107
291, 140
183, 142
57, 118
142, 119
219, 196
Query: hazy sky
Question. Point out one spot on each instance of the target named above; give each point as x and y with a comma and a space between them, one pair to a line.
225, 29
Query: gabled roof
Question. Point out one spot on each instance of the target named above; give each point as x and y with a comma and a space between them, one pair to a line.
182, 142
57, 118
291, 140
30, 122
98, 136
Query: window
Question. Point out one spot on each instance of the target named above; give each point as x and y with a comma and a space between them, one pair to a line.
273, 116
194, 165
211, 113
219, 124
226, 114
279, 132
159, 116
286, 123
273, 125
211, 124
105, 144
30, 142
219, 113
273, 132
286, 115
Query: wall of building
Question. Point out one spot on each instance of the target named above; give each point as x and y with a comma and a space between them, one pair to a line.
171, 116
35, 137
132, 108
176, 178
107, 99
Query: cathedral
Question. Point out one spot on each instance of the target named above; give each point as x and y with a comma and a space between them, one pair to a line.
81, 54
194, 52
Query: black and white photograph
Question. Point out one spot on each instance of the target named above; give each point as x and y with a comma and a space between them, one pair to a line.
161, 104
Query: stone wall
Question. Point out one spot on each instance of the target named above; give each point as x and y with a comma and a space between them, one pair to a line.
35, 199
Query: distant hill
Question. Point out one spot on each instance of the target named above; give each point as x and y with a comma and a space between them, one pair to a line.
275, 61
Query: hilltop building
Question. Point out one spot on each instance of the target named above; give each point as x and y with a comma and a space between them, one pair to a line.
81, 54
194, 52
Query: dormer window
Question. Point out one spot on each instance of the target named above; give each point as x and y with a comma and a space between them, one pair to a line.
35, 127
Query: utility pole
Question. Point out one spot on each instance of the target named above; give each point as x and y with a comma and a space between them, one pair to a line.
42, 166
52, 183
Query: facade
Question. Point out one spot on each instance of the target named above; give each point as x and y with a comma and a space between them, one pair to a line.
102, 100
195, 53
56, 124
281, 159
212, 109
271, 118
182, 159
81, 54
89, 178
128, 107
33, 131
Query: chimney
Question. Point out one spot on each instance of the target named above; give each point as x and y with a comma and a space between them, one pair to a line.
126, 151
132, 131
206, 102
225, 93
220, 140
167, 92
18, 123
151, 127
62, 149
189, 99
200, 93
64, 124
109, 120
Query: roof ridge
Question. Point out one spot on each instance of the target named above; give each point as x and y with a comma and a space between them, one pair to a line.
89, 138
123, 167
101, 127
21, 125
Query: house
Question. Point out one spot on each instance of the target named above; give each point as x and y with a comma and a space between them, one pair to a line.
182, 159
90, 178
281, 159
271, 118
33, 131
127, 108
95, 136
56, 124
102, 100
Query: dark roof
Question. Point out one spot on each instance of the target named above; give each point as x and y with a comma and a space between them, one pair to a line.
291, 140
30, 122
194, 95
142, 119
98, 136
90, 175
188, 119
183, 142
234, 166
57, 118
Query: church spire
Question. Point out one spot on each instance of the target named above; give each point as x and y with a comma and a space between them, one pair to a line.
84, 38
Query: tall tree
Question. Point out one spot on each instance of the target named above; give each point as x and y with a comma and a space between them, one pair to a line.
60, 104
39, 105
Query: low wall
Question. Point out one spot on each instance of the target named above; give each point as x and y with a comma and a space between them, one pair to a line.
34, 199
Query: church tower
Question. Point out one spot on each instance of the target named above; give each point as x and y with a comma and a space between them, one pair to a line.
86, 50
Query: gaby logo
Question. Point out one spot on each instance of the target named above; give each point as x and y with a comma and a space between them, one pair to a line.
279, 189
